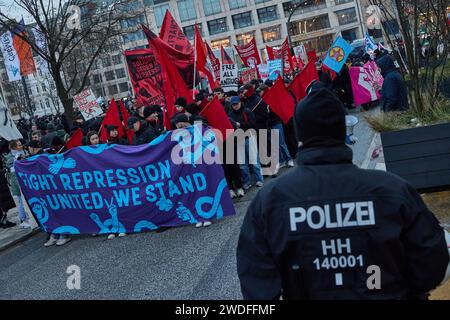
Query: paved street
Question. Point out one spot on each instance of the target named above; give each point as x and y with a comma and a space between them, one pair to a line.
181, 263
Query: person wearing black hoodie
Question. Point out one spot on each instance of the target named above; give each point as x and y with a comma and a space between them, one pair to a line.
153, 116
394, 95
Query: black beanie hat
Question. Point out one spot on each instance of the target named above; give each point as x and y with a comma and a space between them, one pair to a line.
181, 101
320, 114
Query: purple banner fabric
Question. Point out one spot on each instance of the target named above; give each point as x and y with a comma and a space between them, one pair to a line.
113, 188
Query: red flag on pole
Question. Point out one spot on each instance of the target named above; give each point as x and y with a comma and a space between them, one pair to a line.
226, 59
173, 84
272, 53
286, 57
203, 64
303, 80
182, 61
75, 140
312, 56
112, 118
217, 118
280, 100
215, 65
172, 34
125, 116
249, 54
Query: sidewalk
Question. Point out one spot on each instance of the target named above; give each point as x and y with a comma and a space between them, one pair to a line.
12, 236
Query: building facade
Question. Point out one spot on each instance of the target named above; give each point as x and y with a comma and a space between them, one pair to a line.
315, 23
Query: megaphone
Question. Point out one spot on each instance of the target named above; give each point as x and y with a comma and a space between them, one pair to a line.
350, 123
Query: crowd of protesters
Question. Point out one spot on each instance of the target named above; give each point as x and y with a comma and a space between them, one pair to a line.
245, 109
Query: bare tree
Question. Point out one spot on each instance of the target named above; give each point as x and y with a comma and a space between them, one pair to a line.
425, 34
77, 32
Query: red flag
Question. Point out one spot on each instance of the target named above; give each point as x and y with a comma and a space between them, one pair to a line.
332, 73
203, 64
146, 77
286, 57
182, 61
303, 80
249, 54
280, 100
173, 84
272, 53
125, 116
215, 65
171, 33
112, 118
217, 118
312, 56
226, 59
75, 140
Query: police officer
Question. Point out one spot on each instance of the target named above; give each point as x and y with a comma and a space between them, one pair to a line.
330, 230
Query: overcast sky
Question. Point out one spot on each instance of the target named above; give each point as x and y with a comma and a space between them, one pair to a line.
12, 10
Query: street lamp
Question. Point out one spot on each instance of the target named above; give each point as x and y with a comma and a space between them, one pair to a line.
292, 11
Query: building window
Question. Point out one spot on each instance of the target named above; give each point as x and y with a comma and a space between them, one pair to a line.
120, 73
350, 35
391, 27
47, 103
338, 2
117, 59
242, 20
217, 26
44, 88
106, 61
308, 7
98, 92
160, 12
113, 89
186, 8
98, 78
309, 25
346, 16
132, 22
189, 31
244, 38
133, 36
261, 1
319, 44
109, 75
123, 87
267, 14
236, 4
211, 7
37, 89
216, 44
271, 34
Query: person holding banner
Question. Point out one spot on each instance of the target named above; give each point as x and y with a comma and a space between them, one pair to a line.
113, 135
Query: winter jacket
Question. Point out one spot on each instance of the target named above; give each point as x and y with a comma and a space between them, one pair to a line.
244, 116
260, 109
394, 95
313, 233
146, 134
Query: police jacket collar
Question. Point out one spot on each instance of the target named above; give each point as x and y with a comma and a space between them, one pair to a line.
336, 154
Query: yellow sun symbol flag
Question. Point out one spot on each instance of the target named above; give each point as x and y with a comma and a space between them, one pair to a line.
337, 53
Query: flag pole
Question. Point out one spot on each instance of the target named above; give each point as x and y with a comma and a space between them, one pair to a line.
195, 61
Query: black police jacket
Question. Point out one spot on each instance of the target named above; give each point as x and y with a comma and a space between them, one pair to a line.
325, 229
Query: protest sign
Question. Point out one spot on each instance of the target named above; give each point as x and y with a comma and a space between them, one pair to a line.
249, 74
106, 189
275, 69
229, 77
263, 71
87, 104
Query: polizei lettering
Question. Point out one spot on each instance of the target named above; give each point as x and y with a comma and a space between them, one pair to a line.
340, 215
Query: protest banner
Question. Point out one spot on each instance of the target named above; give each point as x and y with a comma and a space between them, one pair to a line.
249, 54
229, 80
87, 104
106, 189
249, 74
275, 69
